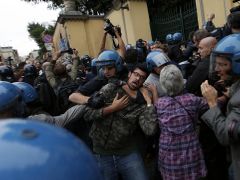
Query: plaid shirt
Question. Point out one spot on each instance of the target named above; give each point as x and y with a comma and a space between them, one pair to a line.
180, 154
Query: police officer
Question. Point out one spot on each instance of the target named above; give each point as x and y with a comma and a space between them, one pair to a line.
155, 60
30, 74
110, 63
30, 98
11, 103
174, 50
34, 150
227, 52
6, 73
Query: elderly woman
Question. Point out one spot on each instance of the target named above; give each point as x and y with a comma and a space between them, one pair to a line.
180, 154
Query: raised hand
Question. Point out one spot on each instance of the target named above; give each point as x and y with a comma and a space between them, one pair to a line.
146, 95
151, 87
75, 54
210, 93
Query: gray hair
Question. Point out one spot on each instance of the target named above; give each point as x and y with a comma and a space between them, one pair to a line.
171, 80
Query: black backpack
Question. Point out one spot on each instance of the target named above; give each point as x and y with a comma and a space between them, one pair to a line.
64, 90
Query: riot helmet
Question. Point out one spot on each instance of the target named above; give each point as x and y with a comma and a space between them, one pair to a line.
108, 58
30, 73
141, 46
29, 93
151, 43
36, 150
226, 52
11, 100
30, 70
177, 37
169, 39
156, 59
6, 73
140, 43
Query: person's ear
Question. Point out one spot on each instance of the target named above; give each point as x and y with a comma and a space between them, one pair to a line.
129, 74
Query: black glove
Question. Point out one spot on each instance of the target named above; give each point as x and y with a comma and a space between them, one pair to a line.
96, 101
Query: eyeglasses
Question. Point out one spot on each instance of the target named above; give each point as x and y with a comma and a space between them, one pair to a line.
136, 74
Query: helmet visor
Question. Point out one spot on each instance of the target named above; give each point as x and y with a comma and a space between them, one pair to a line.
220, 68
103, 63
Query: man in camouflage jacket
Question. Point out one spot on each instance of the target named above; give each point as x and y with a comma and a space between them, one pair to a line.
117, 128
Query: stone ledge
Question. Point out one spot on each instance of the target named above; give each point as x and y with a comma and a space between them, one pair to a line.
76, 15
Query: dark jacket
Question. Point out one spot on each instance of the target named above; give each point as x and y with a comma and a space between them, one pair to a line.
220, 125
199, 75
175, 53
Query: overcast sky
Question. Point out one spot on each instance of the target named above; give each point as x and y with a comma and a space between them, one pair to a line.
14, 18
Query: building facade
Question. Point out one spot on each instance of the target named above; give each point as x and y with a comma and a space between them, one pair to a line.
9, 56
85, 32
137, 20
219, 7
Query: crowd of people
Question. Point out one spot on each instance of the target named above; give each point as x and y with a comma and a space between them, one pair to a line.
153, 110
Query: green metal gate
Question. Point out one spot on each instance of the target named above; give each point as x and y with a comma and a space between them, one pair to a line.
180, 18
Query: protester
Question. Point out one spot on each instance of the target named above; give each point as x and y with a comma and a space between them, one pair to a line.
116, 133
180, 153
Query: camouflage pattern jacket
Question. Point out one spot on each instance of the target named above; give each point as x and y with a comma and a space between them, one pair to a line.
117, 133
53, 80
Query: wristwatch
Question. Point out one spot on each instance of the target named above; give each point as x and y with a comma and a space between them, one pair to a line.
149, 105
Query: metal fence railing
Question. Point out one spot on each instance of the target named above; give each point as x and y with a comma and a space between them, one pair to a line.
181, 18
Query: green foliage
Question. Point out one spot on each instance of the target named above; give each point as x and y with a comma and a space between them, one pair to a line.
36, 30
85, 6
94, 6
52, 4
103, 6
